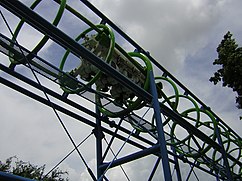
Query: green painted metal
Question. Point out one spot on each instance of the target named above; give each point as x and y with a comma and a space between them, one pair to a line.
183, 105
44, 40
105, 31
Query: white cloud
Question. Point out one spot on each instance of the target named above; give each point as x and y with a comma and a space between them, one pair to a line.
174, 32
166, 27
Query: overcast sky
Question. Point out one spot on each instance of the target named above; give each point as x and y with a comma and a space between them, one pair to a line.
182, 35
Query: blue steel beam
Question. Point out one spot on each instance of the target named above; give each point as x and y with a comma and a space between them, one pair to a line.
10, 177
141, 50
5, 42
64, 110
66, 100
75, 105
145, 151
57, 35
152, 150
45, 27
159, 128
223, 152
185, 126
99, 150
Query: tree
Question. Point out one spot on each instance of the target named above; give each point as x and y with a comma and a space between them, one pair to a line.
230, 58
27, 170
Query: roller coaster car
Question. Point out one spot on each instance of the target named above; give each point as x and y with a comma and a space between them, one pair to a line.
102, 44
98, 44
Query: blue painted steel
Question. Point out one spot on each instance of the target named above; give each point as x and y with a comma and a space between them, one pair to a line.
177, 167
131, 157
42, 25
224, 155
159, 127
10, 177
99, 136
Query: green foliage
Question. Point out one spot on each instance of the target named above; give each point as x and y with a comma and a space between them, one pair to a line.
27, 170
230, 58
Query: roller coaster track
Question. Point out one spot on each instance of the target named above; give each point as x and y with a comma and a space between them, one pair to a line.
157, 115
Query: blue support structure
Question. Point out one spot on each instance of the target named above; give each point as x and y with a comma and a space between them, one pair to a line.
226, 163
159, 127
177, 167
10, 177
99, 136
150, 120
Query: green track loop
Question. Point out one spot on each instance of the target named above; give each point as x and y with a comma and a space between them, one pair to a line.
43, 41
108, 58
131, 104
200, 118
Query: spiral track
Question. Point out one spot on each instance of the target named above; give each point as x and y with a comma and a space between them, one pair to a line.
194, 133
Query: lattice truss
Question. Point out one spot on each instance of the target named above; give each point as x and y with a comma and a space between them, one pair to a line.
94, 69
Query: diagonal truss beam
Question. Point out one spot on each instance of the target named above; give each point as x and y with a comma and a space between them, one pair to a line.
45, 27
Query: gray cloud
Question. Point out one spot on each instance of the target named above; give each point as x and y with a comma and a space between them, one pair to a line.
181, 35
170, 30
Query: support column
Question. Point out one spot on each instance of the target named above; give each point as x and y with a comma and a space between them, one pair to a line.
177, 167
226, 163
160, 131
99, 136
